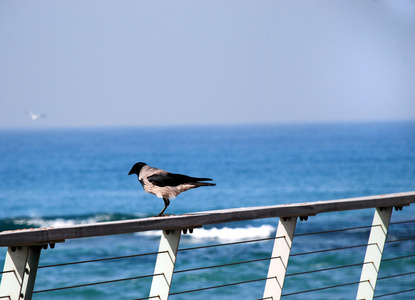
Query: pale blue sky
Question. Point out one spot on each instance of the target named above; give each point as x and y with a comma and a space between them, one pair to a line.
128, 63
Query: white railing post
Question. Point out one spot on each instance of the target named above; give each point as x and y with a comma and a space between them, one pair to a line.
279, 259
20, 269
166, 259
374, 251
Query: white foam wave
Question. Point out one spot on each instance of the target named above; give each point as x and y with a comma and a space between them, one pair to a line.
60, 222
222, 234
233, 234
42, 223
226, 233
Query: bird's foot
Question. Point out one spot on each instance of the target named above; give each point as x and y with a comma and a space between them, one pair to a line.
162, 215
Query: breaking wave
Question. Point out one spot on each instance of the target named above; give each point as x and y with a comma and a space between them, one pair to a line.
211, 233
60, 221
225, 233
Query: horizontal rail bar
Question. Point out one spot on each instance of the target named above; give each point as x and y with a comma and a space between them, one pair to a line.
192, 220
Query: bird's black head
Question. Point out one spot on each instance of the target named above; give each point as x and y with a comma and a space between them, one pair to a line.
137, 168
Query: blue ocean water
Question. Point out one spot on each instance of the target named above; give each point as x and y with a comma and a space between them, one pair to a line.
58, 177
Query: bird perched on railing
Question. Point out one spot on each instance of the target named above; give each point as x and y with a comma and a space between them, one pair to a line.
164, 184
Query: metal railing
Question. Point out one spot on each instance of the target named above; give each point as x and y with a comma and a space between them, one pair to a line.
358, 261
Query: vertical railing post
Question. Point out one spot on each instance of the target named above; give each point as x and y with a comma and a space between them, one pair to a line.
374, 251
279, 259
20, 268
166, 259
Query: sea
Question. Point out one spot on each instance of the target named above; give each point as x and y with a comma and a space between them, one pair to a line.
65, 176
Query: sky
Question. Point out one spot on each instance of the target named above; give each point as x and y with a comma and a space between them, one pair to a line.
157, 63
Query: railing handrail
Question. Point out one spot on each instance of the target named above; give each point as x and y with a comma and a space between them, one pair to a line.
194, 220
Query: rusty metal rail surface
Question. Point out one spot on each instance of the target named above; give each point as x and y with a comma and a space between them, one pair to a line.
194, 220
25, 246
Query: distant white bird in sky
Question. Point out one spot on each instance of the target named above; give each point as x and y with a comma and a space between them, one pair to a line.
34, 116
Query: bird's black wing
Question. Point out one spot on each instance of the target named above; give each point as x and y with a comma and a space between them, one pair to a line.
171, 179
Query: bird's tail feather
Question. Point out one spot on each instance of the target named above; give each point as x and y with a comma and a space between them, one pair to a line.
201, 179
205, 184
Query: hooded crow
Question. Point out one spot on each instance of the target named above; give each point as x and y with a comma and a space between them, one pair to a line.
164, 184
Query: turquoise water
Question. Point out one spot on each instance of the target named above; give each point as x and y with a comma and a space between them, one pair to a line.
60, 177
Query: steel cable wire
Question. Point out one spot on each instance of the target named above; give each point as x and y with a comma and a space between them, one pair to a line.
395, 275
243, 262
332, 249
96, 283
394, 293
264, 259
152, 297
334, 230
400, 240
228, 244
226, 265
100, 259
402, 222
219, 286
350, 228
323, 288
327, 269
399, 257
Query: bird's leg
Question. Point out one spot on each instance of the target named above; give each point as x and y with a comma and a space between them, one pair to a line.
166, 203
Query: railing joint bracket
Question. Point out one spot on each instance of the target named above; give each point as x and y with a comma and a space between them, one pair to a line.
400, 207
188, 229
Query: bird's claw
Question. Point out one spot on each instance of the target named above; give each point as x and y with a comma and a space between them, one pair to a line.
161, 215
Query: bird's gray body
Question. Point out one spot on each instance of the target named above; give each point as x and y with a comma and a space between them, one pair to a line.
169, 192
164, 184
